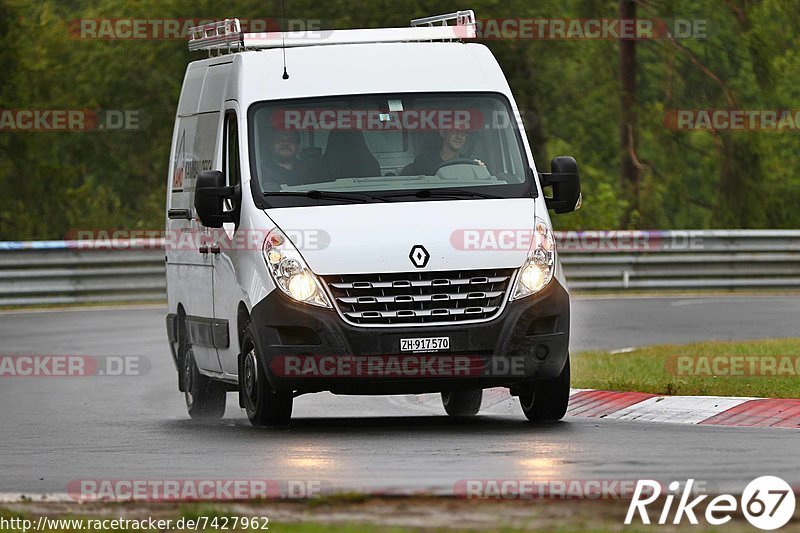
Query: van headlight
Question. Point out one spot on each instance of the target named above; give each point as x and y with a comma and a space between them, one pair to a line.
539, 267
290, 271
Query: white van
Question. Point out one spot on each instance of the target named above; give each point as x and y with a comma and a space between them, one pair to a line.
358, 211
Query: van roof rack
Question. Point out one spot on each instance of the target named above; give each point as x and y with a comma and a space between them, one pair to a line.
226, 36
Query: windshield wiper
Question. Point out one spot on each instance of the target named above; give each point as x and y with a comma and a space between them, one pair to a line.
316, 195
428, 193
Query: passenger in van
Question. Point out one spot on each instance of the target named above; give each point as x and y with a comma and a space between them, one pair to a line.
451, 148
282, 166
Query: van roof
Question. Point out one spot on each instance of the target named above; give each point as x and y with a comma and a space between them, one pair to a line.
429, 56
375, 68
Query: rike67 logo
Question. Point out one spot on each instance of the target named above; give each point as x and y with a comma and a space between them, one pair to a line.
768, 503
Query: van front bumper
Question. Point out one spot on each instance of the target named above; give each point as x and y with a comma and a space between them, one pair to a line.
528, 340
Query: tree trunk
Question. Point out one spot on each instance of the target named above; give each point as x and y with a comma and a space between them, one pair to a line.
630, 174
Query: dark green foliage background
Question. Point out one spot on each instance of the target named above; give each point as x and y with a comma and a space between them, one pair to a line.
569, 91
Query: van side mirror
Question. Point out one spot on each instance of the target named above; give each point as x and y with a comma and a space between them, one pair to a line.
209, 195
566, 183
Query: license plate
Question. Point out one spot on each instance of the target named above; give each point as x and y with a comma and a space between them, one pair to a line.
428, 344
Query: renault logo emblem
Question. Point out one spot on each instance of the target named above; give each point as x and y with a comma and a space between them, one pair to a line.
419, 256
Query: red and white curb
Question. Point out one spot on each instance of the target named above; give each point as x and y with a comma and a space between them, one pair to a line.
704, 410
638, 406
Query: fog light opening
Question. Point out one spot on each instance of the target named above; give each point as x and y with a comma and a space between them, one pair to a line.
541, 352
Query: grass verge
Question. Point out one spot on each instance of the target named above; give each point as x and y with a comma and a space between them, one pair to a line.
703, 369
385, 515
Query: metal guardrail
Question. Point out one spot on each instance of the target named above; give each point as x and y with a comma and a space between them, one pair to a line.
71, 272
684, 260
67, 272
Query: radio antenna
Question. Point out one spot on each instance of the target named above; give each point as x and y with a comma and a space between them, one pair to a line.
283, 42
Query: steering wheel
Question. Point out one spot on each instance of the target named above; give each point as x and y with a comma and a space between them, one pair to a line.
458, 161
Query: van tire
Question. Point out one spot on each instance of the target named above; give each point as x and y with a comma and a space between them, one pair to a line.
205, 398
546, 400
263, 405
462, 403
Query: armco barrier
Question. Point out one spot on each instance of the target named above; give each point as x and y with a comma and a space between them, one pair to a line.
63, 272
688, 260
67, 272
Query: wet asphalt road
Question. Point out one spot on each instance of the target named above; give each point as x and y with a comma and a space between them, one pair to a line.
56, 430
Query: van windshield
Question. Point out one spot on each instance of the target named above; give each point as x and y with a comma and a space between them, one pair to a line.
387, 144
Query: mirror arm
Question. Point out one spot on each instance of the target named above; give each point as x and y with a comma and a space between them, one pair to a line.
549, 178
225, 192
223, 218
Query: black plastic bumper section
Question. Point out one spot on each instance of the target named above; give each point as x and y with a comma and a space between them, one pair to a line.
533, 329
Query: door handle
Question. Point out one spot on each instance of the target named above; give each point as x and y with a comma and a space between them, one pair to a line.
180, 214
203, 249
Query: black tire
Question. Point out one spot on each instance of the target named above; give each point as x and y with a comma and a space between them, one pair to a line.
264, 406
205, 398
462, 403
547, 399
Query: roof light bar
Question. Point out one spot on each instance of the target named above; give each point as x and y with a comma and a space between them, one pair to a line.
226, 35
462, 18
222, 35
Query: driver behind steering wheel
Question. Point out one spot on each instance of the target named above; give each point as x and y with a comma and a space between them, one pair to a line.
427, 163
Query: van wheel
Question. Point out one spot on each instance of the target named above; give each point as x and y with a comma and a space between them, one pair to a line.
546, 400
264, 406
205, 398
462, 403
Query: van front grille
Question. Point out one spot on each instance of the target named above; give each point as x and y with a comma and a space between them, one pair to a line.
410, 298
